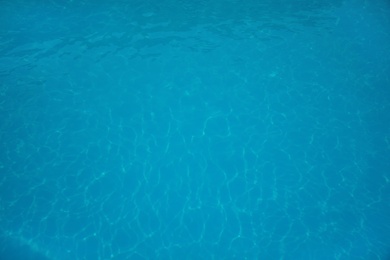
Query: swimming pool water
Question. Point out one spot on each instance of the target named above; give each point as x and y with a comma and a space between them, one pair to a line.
180, 129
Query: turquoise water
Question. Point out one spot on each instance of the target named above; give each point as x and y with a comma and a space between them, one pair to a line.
181, 129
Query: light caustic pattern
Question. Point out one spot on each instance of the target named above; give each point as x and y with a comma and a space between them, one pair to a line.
193, 131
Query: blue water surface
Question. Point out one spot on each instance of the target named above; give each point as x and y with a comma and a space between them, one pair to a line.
182, 129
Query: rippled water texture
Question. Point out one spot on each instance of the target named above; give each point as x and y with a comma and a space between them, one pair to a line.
185, 129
